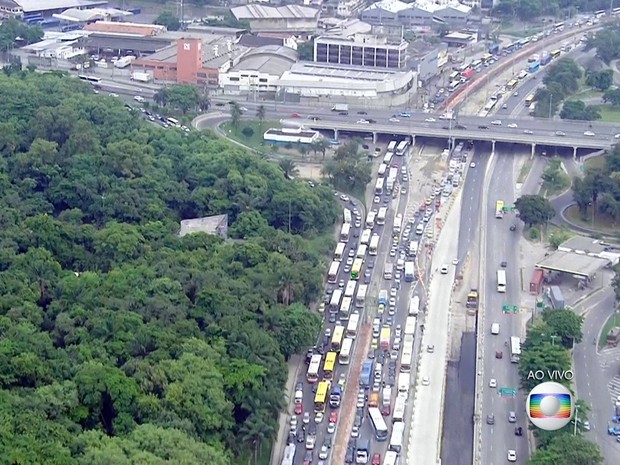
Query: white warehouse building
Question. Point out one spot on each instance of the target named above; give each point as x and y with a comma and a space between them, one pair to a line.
298, 135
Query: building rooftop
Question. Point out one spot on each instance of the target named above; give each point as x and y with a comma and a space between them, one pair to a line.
125, 42
365, 40
270, 59
75, 15
46, 5
582, 244
457, 36
250, 40
48, 44
393, 6
217, 225
573, 263
221, 30
130, 29
349, 27
255, 11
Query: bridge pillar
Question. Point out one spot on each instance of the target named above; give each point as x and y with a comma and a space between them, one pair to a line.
336, 134
574, 153
533, 151
374, 137
493, 146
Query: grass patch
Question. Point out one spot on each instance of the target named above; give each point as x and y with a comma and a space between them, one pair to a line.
612, 321
255, 140
594, 163
602, 223
587, 94
525, 170
516, 31
609, 114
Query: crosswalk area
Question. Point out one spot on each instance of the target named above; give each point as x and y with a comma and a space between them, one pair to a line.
608, 360
614, 388
608, 356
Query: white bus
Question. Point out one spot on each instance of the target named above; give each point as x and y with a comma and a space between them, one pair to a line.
414, 306
334, 303
345, 308
515, 349
370, 219
354, 320
398, 431
340, 249
361, 251
360, 298
289, 455
403, 145
346, 216
388, 158
313, 368
382, 169
332, 275
501, 281
392, 146
379, 186
410, 323
378, 423
381, 215
453, 86
345, 352
365, 239
413, 248
406, 358
399, 408
350, 289
344, 232
391, 458
398, 222
374, 244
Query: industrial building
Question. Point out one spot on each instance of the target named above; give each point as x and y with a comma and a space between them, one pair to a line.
258, 71
292, 136
419, 13
46, 8
431, 63
361, 50
288, 18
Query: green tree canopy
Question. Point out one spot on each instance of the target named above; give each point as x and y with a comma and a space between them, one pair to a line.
601, 80
169, 20
578, 110
123, 342
545, 356
565, 448
534, 209
566, 324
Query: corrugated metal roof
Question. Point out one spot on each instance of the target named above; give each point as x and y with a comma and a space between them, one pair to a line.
392, 6
46, 5
254, 11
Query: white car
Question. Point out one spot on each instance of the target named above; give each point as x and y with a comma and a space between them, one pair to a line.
527, 131
319, 417
472, 165
377, 199
323, 453
394, 120
426, 381
560, 133
331, 428
344, 198
513, 125
589, 134
492, 383
112, 94
617, 136
363, 121
392, 301
496, 122
430, 120
355, 432
455, 261
393, 292
512, 455
444, 269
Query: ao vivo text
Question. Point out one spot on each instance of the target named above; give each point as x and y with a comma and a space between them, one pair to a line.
550, 375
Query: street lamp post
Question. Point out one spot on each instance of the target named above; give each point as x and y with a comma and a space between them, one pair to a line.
575, 420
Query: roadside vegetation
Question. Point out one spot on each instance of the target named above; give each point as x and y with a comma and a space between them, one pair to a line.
121, 342
555, 179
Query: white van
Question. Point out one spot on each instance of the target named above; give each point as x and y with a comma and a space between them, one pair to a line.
400, 264
420, 229
495, 328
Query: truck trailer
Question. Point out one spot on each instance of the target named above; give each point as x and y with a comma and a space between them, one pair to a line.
340, 107
141, 77
124, 62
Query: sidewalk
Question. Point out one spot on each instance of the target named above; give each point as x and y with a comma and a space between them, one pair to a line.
294, 368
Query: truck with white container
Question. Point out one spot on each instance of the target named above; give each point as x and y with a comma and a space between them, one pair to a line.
124, 62
141, 77
340, 107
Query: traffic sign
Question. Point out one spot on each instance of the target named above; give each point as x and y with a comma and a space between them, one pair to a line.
510, 308
508, 209
507, 392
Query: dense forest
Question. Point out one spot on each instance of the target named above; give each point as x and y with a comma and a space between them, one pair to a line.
120, 342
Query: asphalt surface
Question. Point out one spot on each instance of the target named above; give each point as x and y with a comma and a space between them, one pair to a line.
597, 377
500, 246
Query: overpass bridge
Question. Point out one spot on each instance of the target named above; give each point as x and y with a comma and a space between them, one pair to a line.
534, 132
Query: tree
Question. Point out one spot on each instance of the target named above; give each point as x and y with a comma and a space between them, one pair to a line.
616, 282
578, 110
545, 357
260, 114
565, 324
169, 20
606, 42
247, 132
561, 80
565, 448
305, 50
600, 80
534, 210
612, 96
288, 168
235, 115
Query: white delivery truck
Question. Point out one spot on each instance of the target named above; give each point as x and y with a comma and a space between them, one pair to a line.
403, 382
141, 77
340, 107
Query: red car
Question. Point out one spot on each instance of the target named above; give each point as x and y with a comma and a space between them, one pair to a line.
376, 459
333, 417
295, 115
299, 409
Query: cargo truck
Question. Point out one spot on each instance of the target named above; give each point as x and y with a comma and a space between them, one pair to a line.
383, 296
366, 374
362, 451
124, 62
409, 272
340, 107
141, 77
335, 396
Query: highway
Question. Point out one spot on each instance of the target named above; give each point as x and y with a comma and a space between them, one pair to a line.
499, 245
594, 371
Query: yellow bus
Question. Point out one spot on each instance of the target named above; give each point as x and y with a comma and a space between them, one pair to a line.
453, 75
556, 53
499, 209
320, 398
512, 84
486, 57
529, 99
337, 338
357, 268
330, 365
